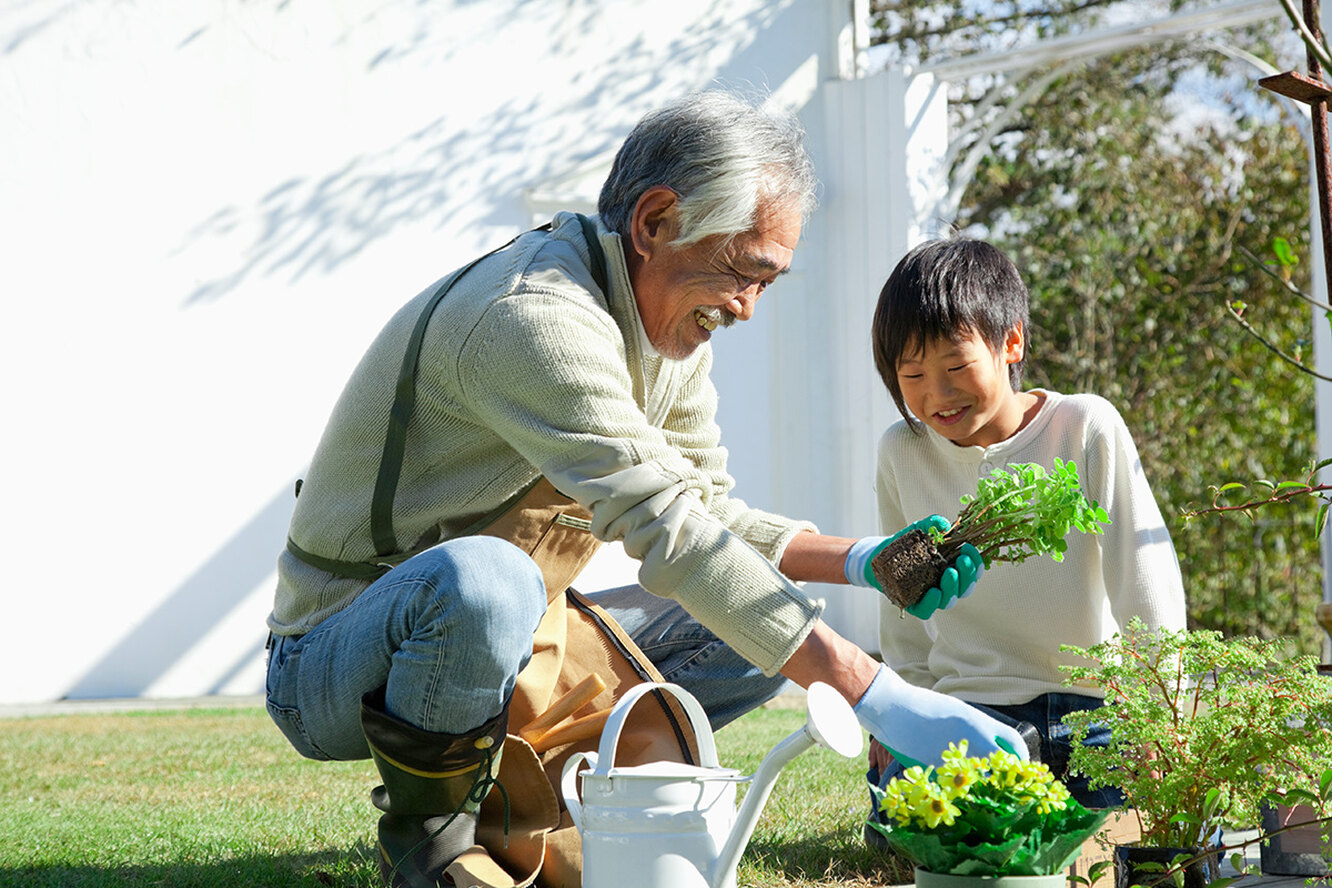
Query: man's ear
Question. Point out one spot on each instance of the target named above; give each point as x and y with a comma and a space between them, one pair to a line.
1015, 344
654, 224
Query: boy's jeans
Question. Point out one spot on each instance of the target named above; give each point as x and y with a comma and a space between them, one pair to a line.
1046, 712
447, 633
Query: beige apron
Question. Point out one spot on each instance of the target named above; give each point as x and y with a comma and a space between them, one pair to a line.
574, 639
535, 840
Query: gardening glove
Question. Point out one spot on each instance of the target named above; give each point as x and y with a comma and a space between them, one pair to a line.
916, 725
958, 581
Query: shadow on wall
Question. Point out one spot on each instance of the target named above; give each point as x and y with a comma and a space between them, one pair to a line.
193, 609
319, 222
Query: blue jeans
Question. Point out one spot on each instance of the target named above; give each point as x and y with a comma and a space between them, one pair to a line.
446, 634
1046, 713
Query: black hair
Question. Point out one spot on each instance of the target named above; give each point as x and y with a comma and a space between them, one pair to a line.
941, 291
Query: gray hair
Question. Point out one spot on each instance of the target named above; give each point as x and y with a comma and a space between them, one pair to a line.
722, 155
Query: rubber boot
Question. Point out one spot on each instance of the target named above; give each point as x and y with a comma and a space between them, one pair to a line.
433, 786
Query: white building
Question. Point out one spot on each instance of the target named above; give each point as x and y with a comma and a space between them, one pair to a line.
208, 208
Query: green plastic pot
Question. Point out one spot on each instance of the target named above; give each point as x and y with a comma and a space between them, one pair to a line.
927, 879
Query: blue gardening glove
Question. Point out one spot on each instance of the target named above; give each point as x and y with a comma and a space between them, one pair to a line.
916, 725
958, 581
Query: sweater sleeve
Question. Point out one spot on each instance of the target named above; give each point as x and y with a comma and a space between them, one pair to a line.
1142, 576
904, 641
691, 429
550, 379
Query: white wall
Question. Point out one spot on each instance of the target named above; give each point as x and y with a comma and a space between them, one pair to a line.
208, 209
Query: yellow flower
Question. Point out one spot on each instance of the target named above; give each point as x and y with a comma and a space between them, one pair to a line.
928, 797
1006, 770
934, 808
957, 777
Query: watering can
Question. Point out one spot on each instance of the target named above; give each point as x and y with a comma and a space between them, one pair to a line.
672, 825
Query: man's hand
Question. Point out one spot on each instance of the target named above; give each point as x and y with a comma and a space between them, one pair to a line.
916, 725
957, 582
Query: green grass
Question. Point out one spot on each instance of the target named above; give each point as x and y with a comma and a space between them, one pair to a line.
217, 798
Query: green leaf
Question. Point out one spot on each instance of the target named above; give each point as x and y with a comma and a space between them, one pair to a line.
1284, 254
1300, 797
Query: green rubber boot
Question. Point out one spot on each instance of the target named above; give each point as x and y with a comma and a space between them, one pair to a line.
433, 786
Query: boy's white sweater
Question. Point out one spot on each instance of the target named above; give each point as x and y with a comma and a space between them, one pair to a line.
1001, 645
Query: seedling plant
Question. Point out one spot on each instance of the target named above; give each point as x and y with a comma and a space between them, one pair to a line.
1016, 513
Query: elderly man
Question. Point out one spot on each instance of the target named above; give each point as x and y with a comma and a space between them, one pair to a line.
578, 355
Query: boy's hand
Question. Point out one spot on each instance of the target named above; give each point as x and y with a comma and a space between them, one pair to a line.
957, 582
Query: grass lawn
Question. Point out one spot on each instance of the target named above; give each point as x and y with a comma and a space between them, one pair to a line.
215, 797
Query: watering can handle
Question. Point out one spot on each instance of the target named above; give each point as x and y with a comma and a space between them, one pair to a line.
610, 735
569, 785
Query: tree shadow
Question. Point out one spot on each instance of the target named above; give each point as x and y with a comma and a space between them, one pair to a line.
331, 868
835, 857
317, 223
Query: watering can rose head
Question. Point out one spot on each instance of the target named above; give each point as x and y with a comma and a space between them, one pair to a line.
991, 816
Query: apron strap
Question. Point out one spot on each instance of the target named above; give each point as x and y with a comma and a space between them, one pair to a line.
404, 403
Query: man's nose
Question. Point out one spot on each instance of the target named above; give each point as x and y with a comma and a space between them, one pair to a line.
742, 306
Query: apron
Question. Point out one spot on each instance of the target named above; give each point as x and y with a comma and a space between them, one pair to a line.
532, 840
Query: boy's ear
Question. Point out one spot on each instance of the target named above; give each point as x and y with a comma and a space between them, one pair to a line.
1015, 344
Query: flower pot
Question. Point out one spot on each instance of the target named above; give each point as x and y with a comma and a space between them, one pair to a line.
927, 879
1197, 874
1295, 852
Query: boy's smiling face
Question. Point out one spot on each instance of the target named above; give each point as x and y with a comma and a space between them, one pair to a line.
960, 388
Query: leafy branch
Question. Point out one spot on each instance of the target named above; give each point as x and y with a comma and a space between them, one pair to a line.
1283, 492
1269, 493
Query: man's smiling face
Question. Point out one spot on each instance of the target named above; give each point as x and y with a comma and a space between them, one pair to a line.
685, 293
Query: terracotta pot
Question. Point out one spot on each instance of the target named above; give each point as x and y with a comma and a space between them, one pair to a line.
1202, 871
927, 879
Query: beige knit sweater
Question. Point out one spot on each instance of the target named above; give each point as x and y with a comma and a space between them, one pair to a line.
527, 368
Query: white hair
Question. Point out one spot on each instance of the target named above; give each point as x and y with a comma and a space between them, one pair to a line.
722, 155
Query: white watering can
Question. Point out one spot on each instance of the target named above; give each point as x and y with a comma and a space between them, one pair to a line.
671, 825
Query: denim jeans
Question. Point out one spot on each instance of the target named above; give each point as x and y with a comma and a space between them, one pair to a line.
447, 632
1046, 713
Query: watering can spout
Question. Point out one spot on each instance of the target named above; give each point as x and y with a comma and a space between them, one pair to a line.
829, 722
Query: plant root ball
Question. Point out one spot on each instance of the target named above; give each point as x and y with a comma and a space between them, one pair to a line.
908, 567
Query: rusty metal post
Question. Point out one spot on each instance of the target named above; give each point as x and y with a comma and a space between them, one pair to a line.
1318, 119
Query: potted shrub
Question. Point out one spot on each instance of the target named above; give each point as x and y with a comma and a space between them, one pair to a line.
1204, 731
994, 821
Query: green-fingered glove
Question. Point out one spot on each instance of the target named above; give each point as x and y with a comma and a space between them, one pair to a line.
957, 582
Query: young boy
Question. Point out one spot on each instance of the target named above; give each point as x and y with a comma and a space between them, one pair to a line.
950, 337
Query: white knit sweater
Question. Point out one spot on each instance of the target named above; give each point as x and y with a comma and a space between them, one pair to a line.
528, 369
1001, 645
